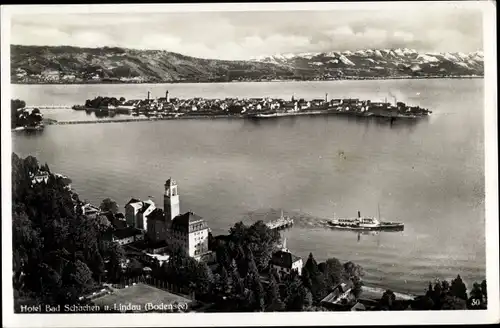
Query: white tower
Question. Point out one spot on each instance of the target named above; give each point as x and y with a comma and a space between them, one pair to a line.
283, 247
171, 205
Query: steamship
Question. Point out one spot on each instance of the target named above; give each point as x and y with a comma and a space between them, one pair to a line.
365, 223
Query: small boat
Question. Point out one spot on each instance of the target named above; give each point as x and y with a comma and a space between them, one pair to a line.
267, 114
365, 224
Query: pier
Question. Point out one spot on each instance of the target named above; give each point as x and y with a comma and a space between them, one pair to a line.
280, 223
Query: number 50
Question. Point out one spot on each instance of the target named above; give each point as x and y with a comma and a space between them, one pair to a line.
475, 301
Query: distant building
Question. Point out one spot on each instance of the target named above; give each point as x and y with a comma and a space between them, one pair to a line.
168, 227
156, 226
40, 177
285, 262
148, 207
69, 77
137, 212
190, 232
341, 296
90, 210
150, 258
131, 210
127, 236
50, 75
117, 220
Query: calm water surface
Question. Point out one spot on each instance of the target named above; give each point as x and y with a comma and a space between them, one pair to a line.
429, 174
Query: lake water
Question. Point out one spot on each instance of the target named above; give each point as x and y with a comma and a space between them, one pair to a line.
427, 174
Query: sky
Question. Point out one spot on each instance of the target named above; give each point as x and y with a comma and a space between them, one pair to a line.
250, 34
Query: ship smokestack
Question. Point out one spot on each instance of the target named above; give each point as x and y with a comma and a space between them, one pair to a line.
166, 96
148, 95
359, 214
326, 97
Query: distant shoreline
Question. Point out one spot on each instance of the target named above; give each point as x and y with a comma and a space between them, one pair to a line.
276, 81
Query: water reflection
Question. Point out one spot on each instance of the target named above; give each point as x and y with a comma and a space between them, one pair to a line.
367, 233
31, 133
385, 122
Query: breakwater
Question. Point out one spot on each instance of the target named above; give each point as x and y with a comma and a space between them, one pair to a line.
125, 120
192, 117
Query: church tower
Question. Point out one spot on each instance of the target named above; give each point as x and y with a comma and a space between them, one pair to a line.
171, 205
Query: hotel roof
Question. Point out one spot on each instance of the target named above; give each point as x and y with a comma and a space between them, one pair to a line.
189, 222
126, 233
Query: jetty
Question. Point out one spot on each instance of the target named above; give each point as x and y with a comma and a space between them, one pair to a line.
48, 107
281, 223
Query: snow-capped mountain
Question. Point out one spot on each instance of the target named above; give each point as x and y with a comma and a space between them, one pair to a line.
383, 62
33, 64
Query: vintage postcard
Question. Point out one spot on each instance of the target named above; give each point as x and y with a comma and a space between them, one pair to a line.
249, 164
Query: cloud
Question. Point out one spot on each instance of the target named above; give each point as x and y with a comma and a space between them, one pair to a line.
242, 35
404, 36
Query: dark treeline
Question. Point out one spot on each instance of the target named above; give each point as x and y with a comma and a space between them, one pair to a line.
58, 255
21, 117
443, 295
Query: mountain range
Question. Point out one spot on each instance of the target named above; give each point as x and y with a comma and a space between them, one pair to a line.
66, 64
384, 62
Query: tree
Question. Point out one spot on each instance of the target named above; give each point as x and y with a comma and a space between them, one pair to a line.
306, 279
251, 265
484, 290
15, 105
422, 303
333, 271
451, 302
82, 276
34, 118
116, 257
204, 279
353, 270
273, 300
258, 291
437, 295
57, 256
357, 287
109, 205
458, 288
259, 238
296, 294
102, 223
445, 287
311, 265
308, 299
223, 284
475, 300
97, 266
222, 255
317, 278
430, 290
237, 282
